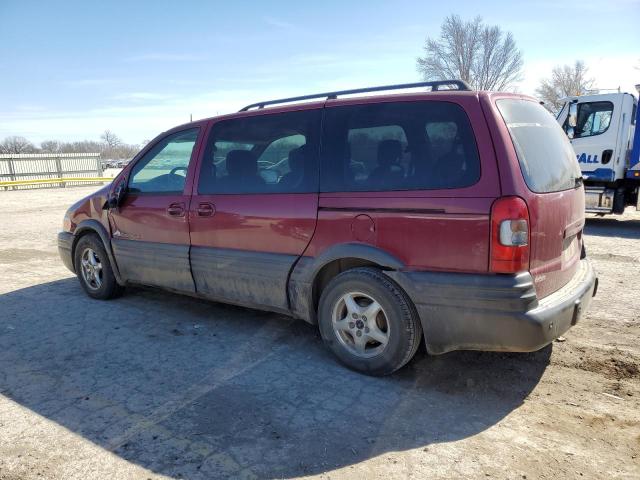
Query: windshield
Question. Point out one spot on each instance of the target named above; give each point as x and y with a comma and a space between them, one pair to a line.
546, 157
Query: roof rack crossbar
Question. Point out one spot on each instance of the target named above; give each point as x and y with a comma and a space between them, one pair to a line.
435, 86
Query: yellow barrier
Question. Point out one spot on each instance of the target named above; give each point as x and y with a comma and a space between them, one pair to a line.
11, 183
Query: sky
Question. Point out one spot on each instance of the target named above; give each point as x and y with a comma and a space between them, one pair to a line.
71, 69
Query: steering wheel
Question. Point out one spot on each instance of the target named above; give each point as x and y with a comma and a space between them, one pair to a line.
176, 169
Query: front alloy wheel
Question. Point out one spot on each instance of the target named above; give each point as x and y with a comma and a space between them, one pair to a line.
91, 268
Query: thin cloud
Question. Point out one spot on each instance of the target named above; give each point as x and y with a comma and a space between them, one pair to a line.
164, 57
281, 24
29, 108
90, 82
315, 59
142, 96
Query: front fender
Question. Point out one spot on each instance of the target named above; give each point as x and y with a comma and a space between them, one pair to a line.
91, 225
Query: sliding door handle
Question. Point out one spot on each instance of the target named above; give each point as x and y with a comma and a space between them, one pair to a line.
176, 210
205, 210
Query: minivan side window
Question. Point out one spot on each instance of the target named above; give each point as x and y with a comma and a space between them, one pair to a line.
546, 157
271, 153
163, 169
398, 146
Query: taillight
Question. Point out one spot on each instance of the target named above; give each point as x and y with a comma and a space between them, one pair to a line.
509, 235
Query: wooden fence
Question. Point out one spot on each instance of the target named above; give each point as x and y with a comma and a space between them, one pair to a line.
38, 170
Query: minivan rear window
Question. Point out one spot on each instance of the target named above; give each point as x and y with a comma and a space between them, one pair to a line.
546, 157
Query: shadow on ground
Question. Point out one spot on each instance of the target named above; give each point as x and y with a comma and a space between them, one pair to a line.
612, 227
189, 388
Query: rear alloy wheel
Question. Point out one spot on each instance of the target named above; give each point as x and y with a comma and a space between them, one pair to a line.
360, 324
368, 321
93, 268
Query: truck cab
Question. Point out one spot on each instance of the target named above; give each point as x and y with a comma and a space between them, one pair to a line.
603, 140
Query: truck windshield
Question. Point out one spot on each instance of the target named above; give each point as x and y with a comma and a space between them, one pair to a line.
546, 157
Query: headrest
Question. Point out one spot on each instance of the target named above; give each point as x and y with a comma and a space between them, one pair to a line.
241, 162
389, 151
297, 158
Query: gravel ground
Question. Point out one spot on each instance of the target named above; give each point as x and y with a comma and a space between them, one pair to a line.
155, 385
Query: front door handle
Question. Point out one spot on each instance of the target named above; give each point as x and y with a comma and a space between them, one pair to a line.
205, 210
176, 209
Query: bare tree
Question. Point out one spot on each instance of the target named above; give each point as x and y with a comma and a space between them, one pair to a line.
484, 56
83, 146
110, 139
565, 81
16, 145
50, 146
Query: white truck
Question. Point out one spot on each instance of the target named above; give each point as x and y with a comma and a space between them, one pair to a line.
601, 128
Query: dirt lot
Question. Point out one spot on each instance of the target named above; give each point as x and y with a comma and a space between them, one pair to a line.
153, 384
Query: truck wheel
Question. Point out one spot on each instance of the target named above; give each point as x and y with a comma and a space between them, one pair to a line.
94, 270
619, 201
368, 321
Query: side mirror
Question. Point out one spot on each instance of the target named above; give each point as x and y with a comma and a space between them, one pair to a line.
115, 198
572, 119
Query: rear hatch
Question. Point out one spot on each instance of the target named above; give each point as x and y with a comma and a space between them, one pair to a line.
555, 195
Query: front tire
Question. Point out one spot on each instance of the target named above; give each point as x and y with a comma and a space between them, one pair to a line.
368, 321
94, 270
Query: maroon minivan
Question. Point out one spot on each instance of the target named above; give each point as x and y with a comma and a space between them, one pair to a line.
450, 215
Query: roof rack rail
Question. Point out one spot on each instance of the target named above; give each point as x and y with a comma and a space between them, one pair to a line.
435, 86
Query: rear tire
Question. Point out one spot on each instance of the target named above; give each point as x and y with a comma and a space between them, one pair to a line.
368, 321
94, 270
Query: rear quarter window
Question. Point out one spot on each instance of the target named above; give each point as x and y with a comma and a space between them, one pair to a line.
399, 146
546, 157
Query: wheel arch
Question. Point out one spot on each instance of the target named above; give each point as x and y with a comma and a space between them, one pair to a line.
316, 273
87, 227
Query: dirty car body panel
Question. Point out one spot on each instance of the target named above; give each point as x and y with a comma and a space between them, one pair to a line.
274, 241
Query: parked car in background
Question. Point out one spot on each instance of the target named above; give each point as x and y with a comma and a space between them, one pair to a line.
451, 217
117, 163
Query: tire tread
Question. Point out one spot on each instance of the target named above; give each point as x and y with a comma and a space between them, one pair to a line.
408, 311
111, 287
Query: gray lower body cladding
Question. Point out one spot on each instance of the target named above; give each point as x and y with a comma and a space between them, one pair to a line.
494, 312
65, 248
163, 265
242, 277
458, 311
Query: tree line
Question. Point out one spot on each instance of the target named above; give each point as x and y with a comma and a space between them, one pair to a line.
110, 146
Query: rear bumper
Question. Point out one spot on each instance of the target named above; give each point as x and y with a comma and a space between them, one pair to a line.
65, 244
494, 312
